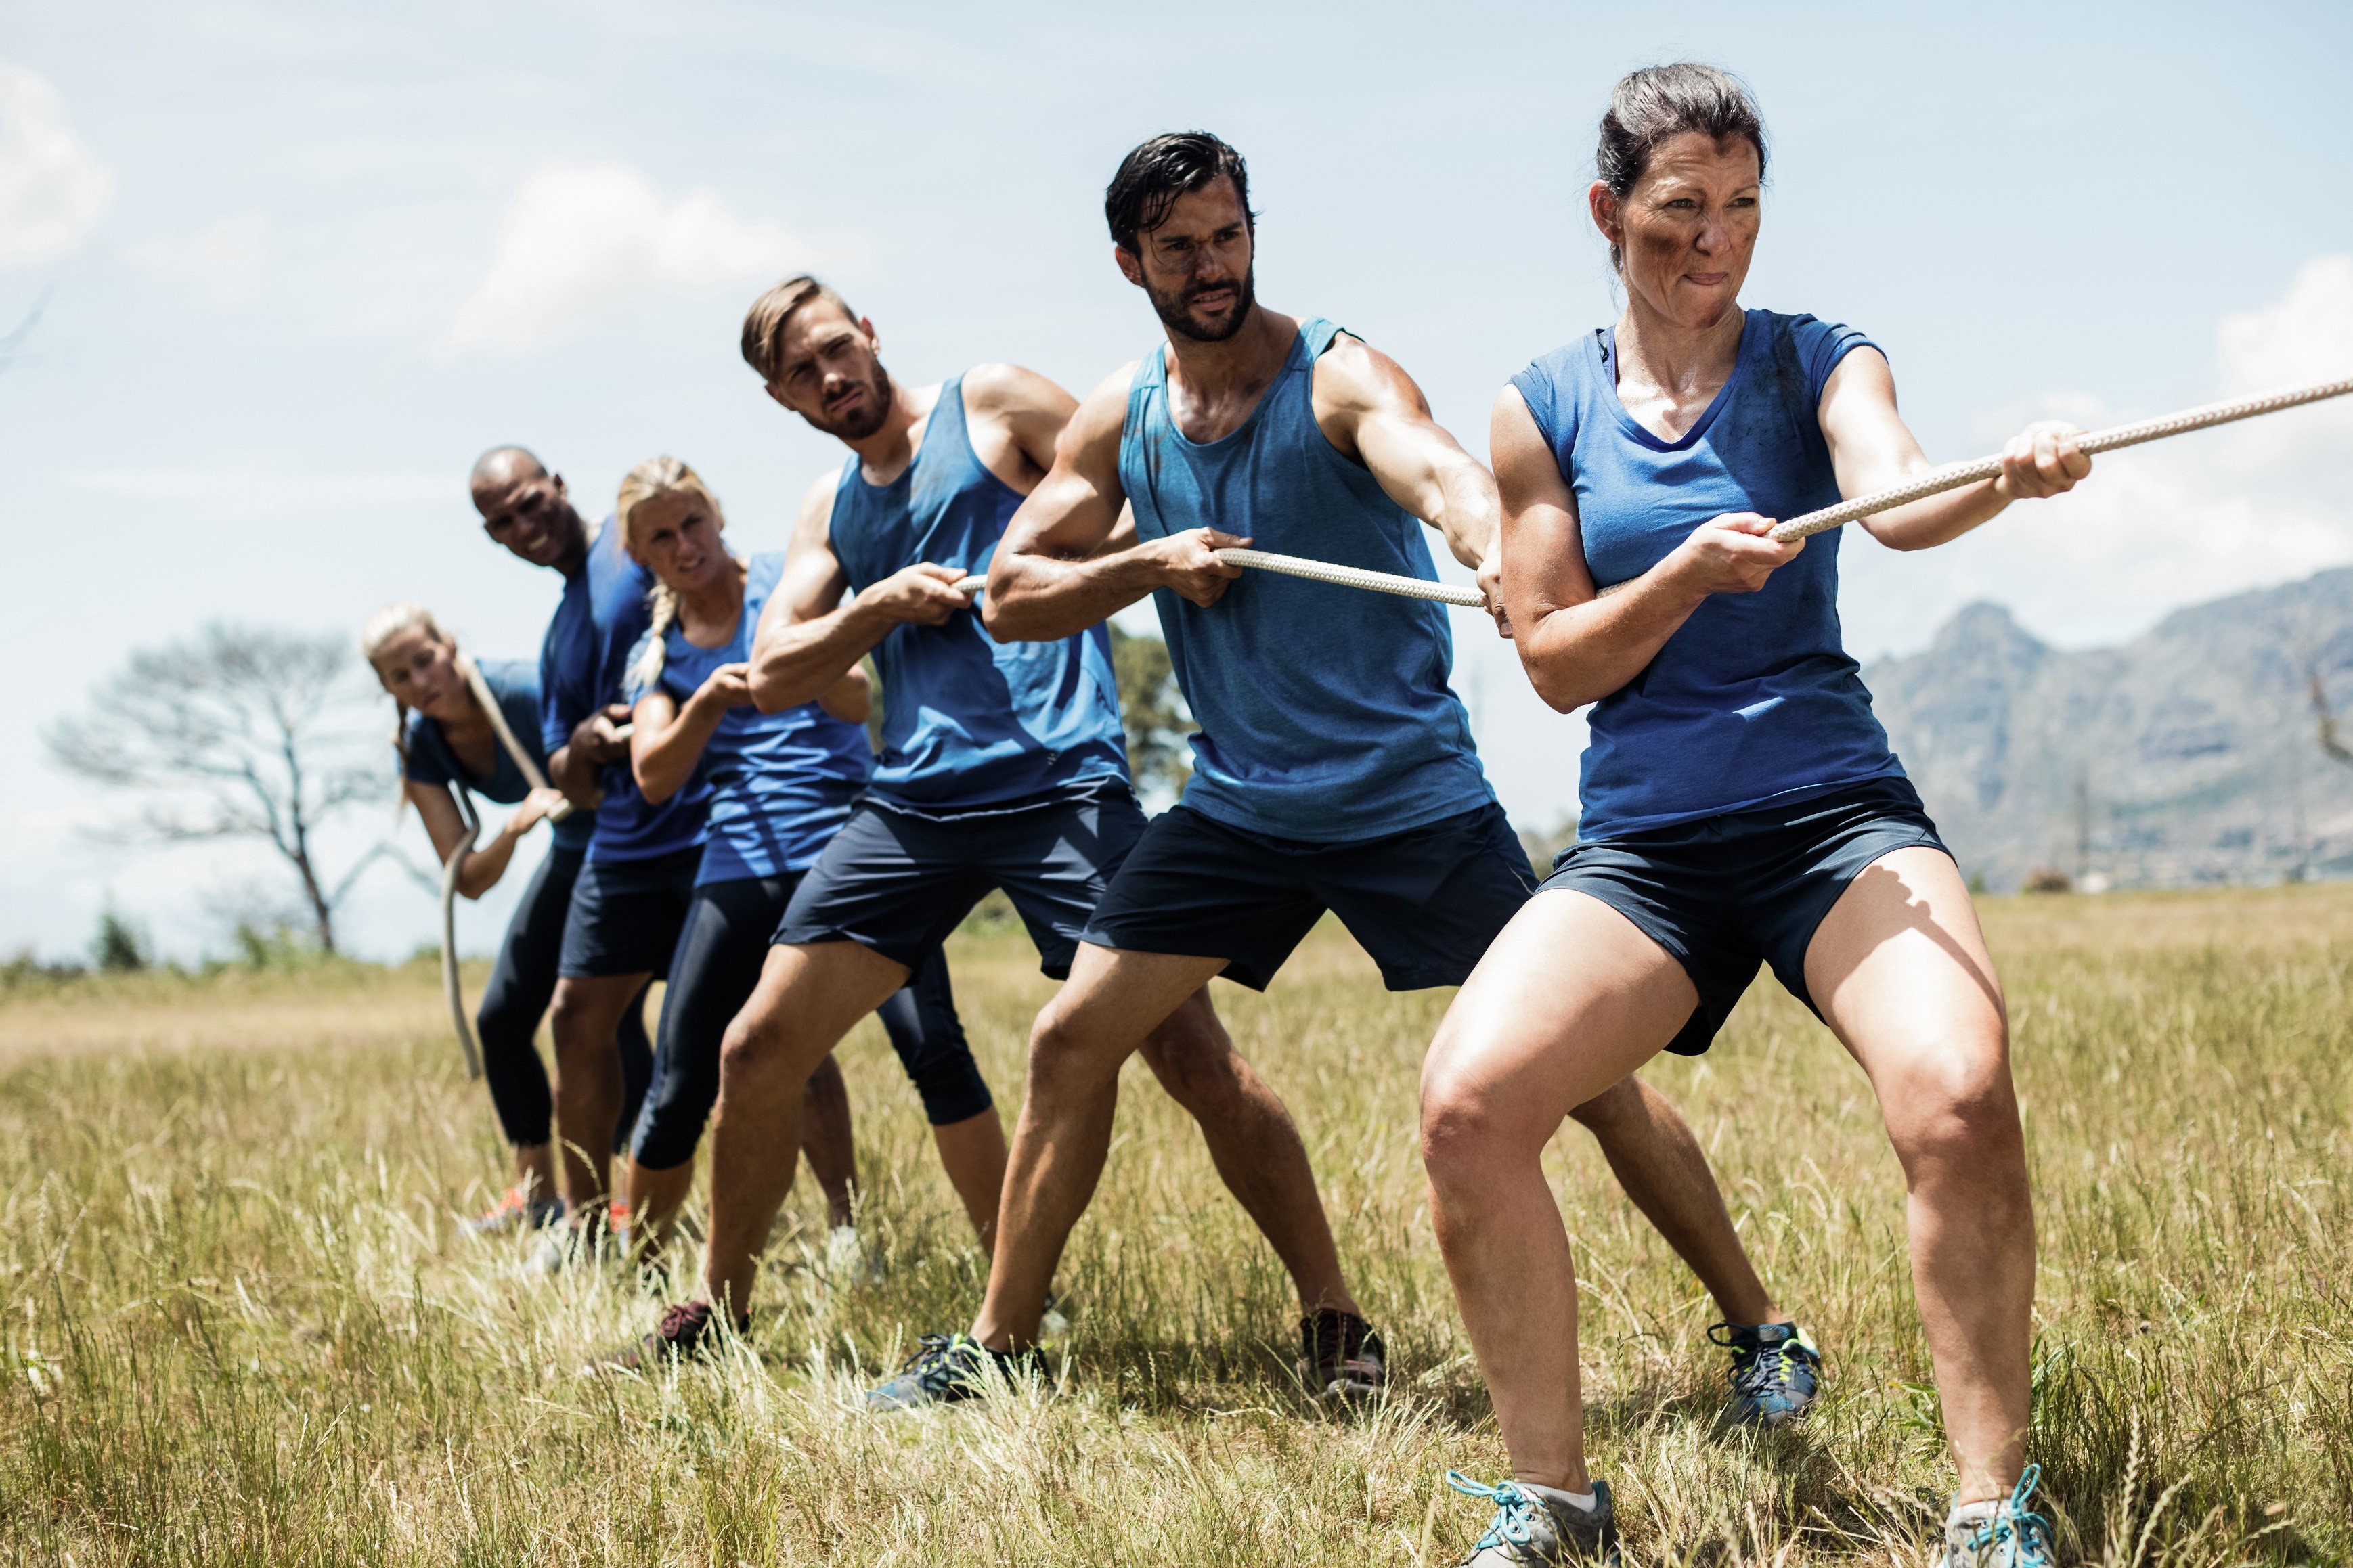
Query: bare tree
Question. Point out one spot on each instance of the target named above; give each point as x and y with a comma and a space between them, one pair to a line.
2329, 740
238, 732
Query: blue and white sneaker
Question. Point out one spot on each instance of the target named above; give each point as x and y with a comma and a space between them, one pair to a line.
949, 1368
2002, 1534
1776, 1370
1532, 1530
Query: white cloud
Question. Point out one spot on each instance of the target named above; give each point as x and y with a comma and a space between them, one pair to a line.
2160, 526
262, 487
53, 188
223, 262
576, 242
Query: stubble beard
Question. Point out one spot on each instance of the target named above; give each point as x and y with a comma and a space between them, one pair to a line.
1174, 310
857, 427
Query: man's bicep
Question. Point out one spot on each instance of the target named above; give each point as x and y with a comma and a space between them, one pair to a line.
1077, 505
814, 579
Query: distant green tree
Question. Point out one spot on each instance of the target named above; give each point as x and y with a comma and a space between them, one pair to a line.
118, 949
1153, 712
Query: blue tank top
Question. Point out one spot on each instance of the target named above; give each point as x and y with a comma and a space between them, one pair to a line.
601, 616
1325, 711
1753, 703
431, 760
968, 721
780, 783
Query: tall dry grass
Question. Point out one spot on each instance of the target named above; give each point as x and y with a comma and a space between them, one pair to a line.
240, 1326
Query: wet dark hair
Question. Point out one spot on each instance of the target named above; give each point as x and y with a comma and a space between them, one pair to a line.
1153, 174
1650, 106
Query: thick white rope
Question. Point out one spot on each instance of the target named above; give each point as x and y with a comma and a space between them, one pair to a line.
1953, 477
1356, 577
486, 699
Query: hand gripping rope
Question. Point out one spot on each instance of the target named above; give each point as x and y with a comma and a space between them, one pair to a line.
1322, 571
485, 699
1933, 482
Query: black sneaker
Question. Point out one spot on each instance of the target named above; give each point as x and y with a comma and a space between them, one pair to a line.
947, 1368
1776, 1371
1340, 1356
688, 1330
1532, 1530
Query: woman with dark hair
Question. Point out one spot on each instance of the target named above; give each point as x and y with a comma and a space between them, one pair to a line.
1741, 807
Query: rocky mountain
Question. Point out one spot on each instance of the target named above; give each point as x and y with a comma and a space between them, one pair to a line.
2193, 754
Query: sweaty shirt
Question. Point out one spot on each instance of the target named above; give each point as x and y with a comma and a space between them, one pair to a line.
780, 783
601, 616
1753, 701
1325, 711
969, 721
431, 760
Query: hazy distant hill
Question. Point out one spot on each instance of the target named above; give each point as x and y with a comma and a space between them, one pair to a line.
2191, 754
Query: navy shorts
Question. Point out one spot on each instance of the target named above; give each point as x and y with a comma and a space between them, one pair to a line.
899, 883
1728, 893
1425, 903
626, 915
718, 965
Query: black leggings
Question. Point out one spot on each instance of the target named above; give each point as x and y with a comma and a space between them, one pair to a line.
711, 975
522, 981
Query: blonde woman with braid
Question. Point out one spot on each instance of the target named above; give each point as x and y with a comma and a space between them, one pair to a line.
446, 744
780, 785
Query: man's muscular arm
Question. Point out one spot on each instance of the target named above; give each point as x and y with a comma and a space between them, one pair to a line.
1372, 411
1052, 576
808, 638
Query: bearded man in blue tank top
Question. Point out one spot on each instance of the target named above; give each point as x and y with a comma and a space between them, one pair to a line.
1334, 768
629, 899
1742, 807
1003, 764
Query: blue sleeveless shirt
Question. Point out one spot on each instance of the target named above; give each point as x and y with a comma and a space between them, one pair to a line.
780, 783
431, 760
581, 663
1325, 711
969, 721
1753, 701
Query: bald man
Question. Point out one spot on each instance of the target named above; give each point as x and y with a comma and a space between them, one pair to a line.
632, 892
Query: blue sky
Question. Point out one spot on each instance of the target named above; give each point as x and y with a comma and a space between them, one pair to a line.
302, 262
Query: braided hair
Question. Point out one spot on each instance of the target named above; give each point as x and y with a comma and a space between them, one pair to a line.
649, 481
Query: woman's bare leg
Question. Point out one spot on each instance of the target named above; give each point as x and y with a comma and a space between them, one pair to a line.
1568, 1000
1900, 969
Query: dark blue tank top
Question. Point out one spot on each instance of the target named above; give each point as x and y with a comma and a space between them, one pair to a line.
1753, 703
780, 783
968, 721
601, 616
1325, 711
514, 682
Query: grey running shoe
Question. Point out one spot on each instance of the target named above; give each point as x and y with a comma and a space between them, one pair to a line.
2009, 1536
947, 1368
1776, 1370
1340, 1356
514, 1211
1531, 1531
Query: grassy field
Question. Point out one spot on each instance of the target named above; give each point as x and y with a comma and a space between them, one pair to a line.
238, 1325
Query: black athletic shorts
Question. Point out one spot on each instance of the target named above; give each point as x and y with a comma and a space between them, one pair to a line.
1425, 903
899, 883
1728, 893
626, 915
719, 959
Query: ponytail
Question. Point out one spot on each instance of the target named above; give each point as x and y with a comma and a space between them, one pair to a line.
646, 674
381, 628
